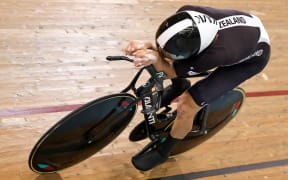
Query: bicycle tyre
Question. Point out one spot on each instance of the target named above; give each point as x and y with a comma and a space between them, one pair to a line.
82, 133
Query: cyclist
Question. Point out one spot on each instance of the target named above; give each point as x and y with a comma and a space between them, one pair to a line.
231, 43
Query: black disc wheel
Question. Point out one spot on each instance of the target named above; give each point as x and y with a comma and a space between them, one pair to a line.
82, 133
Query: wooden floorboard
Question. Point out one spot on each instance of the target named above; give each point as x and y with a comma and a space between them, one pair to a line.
52, 56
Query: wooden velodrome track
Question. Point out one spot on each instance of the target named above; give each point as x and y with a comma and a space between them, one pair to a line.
52, 60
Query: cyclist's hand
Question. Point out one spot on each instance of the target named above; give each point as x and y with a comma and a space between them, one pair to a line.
145, 57
136, 45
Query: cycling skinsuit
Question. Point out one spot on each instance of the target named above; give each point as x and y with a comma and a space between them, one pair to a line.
240, 51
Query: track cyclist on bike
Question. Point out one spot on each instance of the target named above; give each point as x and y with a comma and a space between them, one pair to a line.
234, 44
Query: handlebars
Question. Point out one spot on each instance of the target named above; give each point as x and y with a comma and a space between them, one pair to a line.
119, 58
150, 68
156, 79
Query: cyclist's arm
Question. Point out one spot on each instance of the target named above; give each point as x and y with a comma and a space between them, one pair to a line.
145, 57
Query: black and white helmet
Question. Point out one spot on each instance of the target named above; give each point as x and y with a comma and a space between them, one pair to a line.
185, 34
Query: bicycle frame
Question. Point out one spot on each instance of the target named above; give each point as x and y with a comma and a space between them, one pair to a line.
150, 99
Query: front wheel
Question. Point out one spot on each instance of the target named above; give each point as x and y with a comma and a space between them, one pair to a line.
82, 133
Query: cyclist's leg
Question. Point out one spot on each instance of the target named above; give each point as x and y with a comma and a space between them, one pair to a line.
225, 78
186, 110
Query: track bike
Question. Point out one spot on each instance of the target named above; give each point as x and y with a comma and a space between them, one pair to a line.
88, 129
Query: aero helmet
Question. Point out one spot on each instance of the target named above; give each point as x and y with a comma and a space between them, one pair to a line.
185, 34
